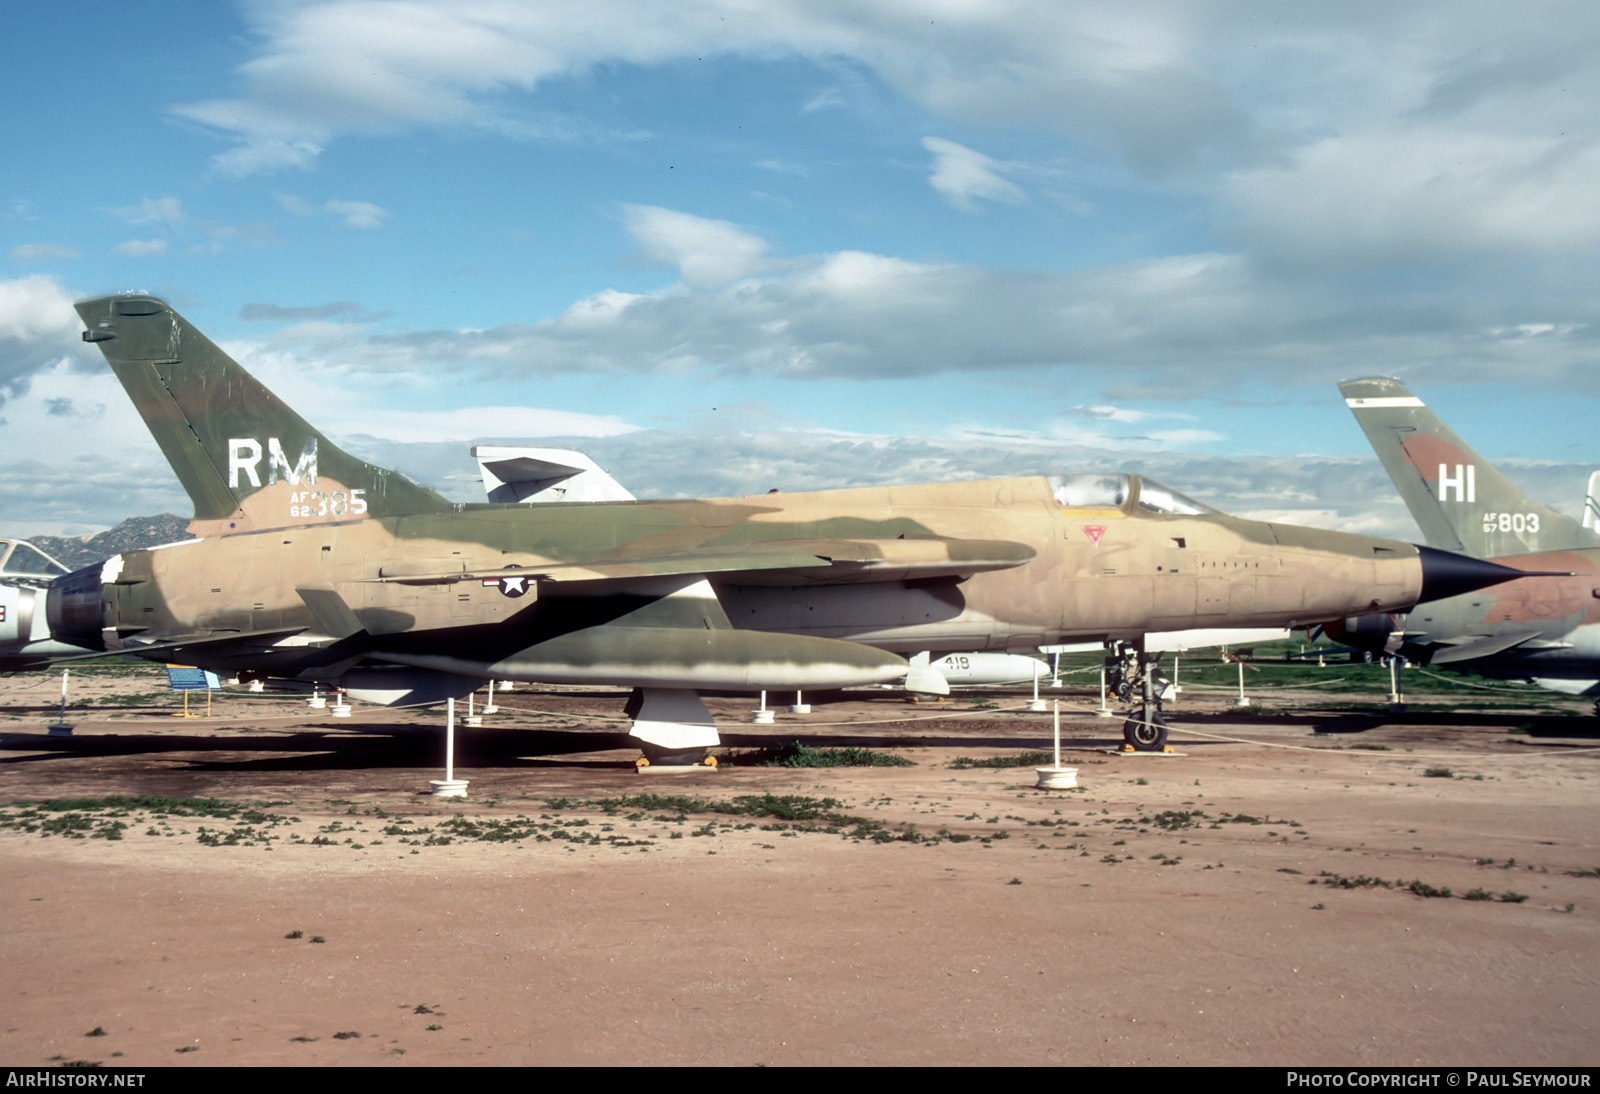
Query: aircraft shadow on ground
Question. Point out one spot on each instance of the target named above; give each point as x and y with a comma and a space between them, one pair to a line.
336, 747
318, 748
1565, 726
1039, 741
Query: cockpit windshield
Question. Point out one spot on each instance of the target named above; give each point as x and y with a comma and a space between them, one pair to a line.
1112, 491
24, 558
1156, 498
1090, 491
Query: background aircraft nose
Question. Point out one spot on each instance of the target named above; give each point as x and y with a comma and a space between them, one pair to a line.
1446, 574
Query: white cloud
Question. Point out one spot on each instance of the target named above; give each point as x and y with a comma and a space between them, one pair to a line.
348, 66
1370, 135
295, 205
36, 308
263, 153
276, 313
706, 252
166, 211
176, 227
215, 237
38, 329
357, 214
478, 423
141, 248
1160, 327
41, 252
76, 452
1183, 438
1077, 437
1110, 413
782, 167
352, 214
961, 175
831, 98
1418, 195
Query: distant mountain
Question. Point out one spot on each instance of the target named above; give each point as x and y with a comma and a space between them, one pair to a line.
131, 534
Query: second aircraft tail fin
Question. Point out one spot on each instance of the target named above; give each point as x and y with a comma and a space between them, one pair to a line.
246, 460
1458, 499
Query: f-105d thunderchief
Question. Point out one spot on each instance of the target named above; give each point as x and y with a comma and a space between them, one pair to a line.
310, 564
1545, 630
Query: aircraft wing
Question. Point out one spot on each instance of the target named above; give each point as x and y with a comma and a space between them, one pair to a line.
774, 562
1471, 647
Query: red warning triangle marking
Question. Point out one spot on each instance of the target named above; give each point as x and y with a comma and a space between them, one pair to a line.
1094, 532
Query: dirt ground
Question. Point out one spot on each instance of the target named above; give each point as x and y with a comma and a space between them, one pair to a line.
1253, 899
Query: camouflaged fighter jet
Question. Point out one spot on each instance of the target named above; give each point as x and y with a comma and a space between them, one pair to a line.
310, 564
1545, 630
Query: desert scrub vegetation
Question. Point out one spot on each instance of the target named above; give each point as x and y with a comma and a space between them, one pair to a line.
1417, 887
1021, 759
797, 754
109, 817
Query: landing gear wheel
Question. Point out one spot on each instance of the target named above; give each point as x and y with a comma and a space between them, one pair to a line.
1146, 734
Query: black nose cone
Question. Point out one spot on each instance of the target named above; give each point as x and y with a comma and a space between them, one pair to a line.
1446, 574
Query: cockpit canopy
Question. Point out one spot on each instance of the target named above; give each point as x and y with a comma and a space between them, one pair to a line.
19, 558
1115, 491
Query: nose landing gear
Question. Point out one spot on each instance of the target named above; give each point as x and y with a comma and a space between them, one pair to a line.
1135, 678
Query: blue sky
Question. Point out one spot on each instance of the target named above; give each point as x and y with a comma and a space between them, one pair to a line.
729, 245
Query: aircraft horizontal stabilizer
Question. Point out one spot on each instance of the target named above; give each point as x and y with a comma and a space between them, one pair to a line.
1472, 647
262, 638
532, 475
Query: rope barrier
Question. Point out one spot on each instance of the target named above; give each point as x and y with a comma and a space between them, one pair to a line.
1081, 710
1469, 684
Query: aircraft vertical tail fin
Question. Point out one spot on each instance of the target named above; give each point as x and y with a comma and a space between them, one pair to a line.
246, 460
1458, 499
1591, 503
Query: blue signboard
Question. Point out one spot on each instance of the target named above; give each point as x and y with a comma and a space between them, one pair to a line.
189, 678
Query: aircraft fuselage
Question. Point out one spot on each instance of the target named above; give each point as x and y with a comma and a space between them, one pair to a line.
1095, 572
